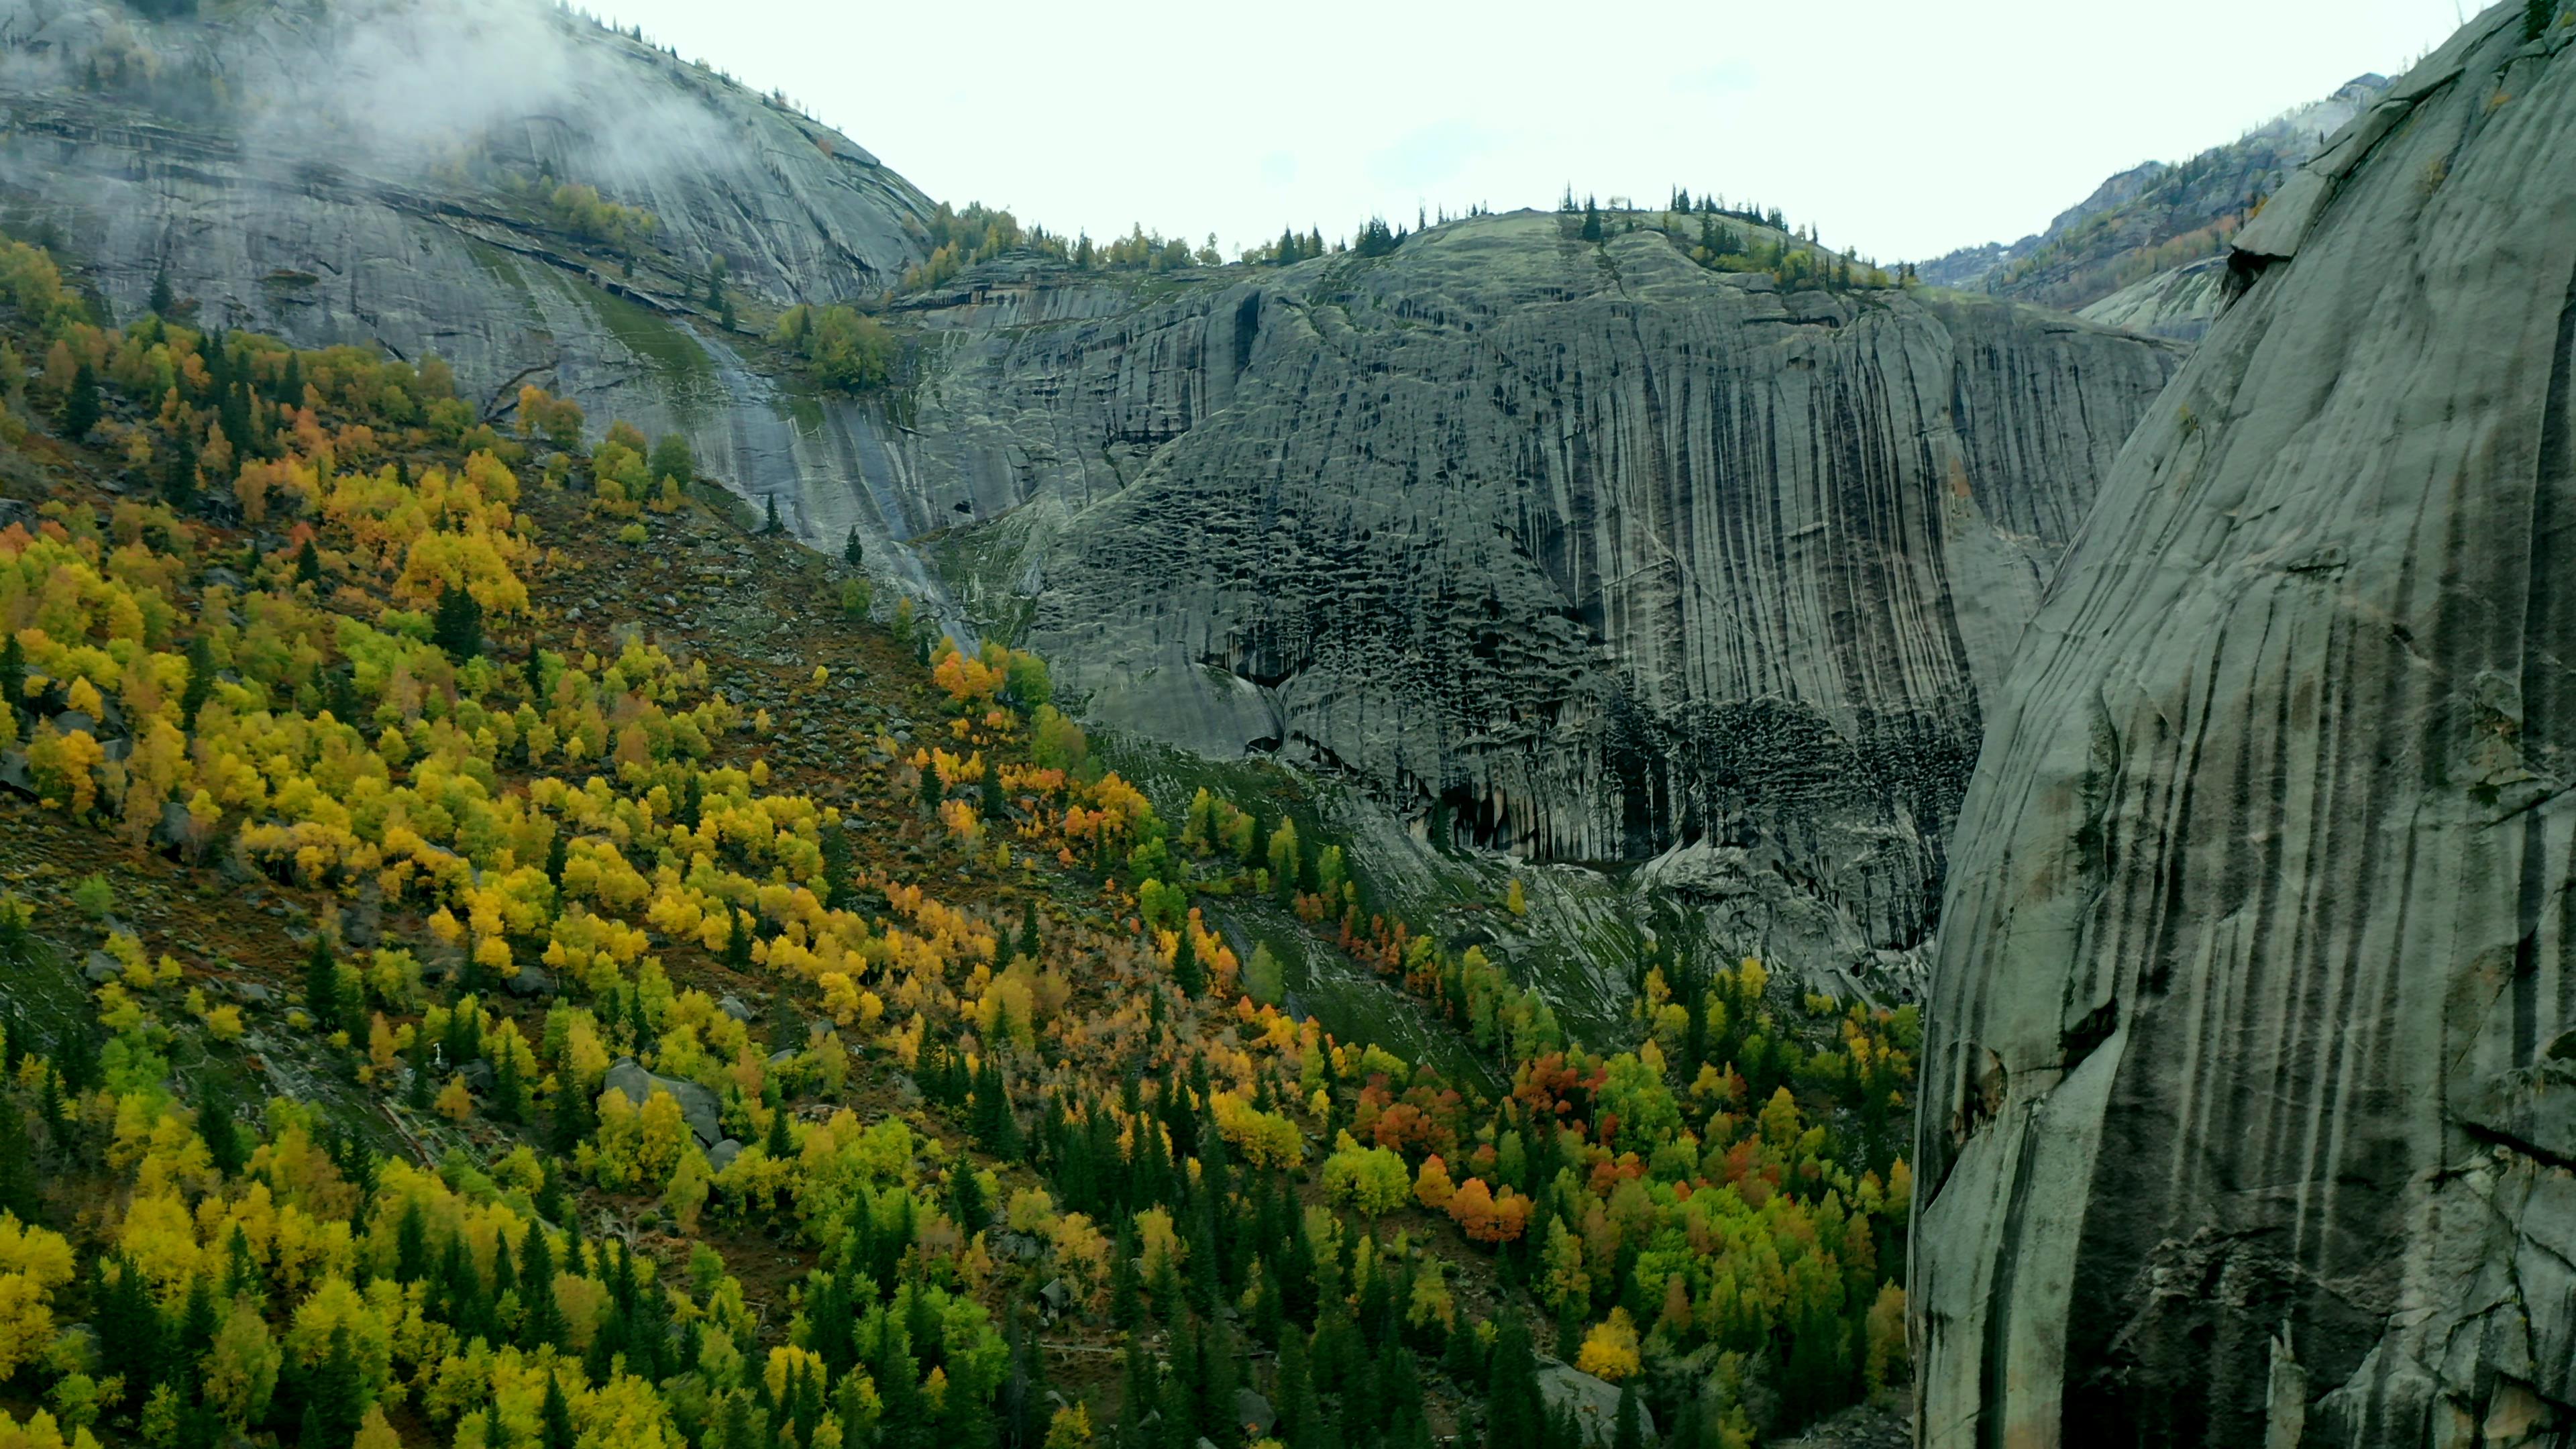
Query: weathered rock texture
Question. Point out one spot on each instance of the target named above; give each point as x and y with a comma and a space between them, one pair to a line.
2180, 303
2245, 1112
1572, 549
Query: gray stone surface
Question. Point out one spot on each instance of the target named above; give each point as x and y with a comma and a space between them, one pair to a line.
1576, 551
2240, 1121
1594, 1402
698, 1105
2180, 303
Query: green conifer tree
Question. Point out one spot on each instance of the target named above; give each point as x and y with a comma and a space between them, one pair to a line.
80, 404
322, 985
456, 625
1187, 973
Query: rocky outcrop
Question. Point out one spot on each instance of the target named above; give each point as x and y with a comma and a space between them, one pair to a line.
2179, 304
1575, 550
698, 1106
2243, 1115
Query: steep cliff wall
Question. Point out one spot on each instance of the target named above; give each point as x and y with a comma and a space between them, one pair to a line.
1567, 548
2247, 1099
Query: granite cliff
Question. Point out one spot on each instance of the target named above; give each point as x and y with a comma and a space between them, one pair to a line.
1570, 549
2247, 1091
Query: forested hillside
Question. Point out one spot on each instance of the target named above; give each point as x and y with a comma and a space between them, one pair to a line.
499, 948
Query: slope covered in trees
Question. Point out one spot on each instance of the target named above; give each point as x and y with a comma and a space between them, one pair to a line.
495, 953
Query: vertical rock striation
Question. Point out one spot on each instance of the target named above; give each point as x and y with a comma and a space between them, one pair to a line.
2247, 1085
1572, 549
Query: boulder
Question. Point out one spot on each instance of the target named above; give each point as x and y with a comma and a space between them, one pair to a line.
1593, 1402
698, 1106
532, 980
101, 968
1254, 1411
2238, 1122
721, 1156
732, 1006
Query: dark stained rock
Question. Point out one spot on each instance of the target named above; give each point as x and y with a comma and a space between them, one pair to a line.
2238, 1121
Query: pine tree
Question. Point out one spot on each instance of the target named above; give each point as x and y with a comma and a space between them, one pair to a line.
2536, 15
162, 302
1187, 973
966, 1203
771, 526
19, 1190
308, 564
931, 791
179, 471
837, 866
1631, 1431
456, 625
509, 1093
543, 1322
554, 1418
322, 985
737, 952
411, 1244
216, 1125
850, 553
1513, 1407
80, 404
1591, 221
1029, 929
13, 670
1126, 1307
339, 1394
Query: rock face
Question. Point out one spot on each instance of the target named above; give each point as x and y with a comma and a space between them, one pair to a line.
1576, 550
2180, 303
2245, 1105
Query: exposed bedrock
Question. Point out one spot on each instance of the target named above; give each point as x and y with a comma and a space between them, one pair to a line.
2246, 1108
1575, 550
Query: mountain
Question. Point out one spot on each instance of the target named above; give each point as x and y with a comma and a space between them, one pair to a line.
2115, 255
2245, 1094
1574, 550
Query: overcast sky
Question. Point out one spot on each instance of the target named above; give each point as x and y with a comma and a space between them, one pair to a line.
1901, 130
